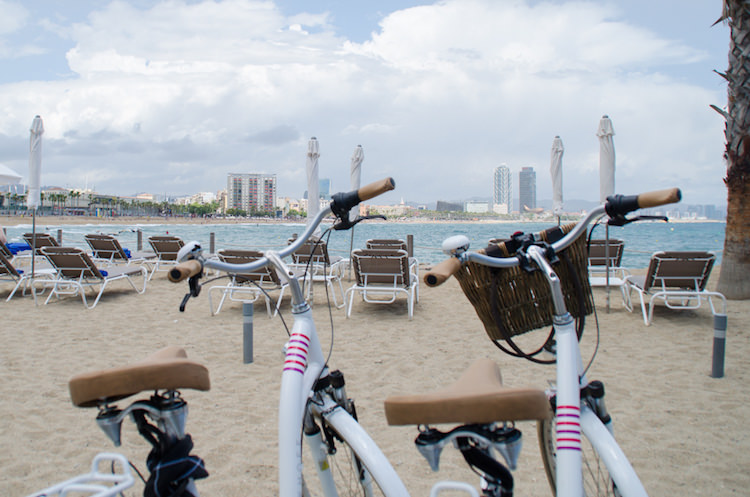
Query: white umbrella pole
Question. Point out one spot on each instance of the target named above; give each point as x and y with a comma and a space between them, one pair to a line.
355, 175
33, 250
606, 260
351, 249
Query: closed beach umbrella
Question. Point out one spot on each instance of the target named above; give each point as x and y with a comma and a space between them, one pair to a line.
8, 176
555, 170
313, 187
355, 173
33, 199
606, 158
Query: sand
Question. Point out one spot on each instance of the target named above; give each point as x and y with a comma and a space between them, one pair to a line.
683, 431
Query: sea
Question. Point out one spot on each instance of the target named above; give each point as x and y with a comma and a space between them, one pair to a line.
641, 239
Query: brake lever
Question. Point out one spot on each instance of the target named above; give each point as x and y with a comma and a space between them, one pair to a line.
345, 223
195, 290
621, 220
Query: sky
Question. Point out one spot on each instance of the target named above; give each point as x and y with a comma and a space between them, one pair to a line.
168, 97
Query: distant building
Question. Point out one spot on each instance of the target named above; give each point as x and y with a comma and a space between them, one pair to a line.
386, 210
448, 206
503, 190
197, 198
287, 204
324, 188
526, 188
711, 212
477, 207
251, 192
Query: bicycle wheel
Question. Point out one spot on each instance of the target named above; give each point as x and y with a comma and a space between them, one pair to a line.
596, 479
348, 473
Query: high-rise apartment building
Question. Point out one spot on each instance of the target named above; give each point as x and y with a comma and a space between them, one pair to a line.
527, 188
503, 190
251, 192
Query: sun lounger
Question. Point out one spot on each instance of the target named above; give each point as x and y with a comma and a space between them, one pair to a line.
21, 276
605, 264
381, 276
313, 259
76, 273
5, 251
40, 240
107, 248
606, 256
676, 278
385, 243
247, 288
393, 244
165, 248
13, 251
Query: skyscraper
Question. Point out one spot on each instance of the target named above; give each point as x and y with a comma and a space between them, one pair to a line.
251, 192
324, 188
527, 188
503, 190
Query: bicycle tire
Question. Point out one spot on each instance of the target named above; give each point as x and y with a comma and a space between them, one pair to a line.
596, 479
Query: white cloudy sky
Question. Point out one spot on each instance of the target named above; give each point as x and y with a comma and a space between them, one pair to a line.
170, 96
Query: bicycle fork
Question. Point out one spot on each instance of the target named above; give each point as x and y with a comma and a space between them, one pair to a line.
322, 439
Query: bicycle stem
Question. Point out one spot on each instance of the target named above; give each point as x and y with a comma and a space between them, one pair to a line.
299, 304
538, 256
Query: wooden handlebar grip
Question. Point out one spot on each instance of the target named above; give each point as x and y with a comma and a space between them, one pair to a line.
442, 271
660, 197
184, 270
374, 189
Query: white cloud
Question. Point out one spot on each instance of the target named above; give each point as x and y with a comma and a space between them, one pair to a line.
184, 93
14, 17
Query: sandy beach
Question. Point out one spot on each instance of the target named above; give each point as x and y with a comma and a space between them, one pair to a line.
683, 431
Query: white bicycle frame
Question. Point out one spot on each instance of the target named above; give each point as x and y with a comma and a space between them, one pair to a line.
571, 416
303, 365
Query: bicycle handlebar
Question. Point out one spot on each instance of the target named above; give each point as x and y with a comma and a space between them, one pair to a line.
619, 205
615, 207
184, 270
340, 206
442, 271
375, 189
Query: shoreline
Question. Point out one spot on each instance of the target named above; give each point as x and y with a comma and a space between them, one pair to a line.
13, 221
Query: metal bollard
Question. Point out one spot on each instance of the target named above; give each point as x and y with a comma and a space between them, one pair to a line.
59, 236
212, 243
140, 240
720, 339
247, 332
410, 245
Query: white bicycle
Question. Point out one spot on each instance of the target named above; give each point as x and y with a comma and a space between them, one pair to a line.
314, 406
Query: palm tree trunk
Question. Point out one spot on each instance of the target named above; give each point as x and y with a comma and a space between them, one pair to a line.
734, 276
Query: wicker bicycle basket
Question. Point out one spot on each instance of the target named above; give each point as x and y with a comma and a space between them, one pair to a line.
514, 301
